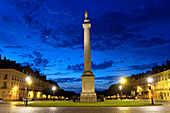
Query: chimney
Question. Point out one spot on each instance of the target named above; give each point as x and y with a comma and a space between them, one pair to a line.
4, 58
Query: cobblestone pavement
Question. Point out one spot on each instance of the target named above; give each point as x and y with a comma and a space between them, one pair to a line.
11, 108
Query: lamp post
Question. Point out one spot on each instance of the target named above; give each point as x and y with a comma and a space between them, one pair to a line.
53, 88
28, 80
120, 87
122, 82
150, 80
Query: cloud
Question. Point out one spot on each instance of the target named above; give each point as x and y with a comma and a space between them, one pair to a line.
113, 29
57, 73
77, 67
35, 60
104, 65
39, 60
75, 42
8, 20
122, 70
154, 41
14, 46
80, 67
26, 63
60, 61
143, 67
1, 50
67, 80
116, 29
109, 79
28, 36
76, 88
152, 12
24, 55
106, 79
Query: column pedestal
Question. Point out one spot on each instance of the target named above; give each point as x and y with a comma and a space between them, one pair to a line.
88, 94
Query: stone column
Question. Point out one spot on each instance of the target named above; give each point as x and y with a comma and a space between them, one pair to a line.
88, 93
87, 49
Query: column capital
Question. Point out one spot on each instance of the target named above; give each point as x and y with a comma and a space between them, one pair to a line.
87, 25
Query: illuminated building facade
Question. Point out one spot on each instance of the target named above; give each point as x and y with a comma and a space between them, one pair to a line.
13, 81
160, 84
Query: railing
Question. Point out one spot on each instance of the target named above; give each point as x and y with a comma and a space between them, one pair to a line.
3, 87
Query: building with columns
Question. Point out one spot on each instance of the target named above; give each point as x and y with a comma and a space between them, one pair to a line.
13, 81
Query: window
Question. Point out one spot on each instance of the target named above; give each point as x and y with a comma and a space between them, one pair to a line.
163, 85
154, 79
166, 77
6, 75
15, 77
12, 77
12, 84
3, 94
162, 77
5, 84
159, 78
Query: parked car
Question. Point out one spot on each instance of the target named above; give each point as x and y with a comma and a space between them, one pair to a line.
1, 100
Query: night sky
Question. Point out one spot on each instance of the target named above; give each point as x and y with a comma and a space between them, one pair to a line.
127, 37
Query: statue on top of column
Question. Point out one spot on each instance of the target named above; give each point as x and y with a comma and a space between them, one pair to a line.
86, 15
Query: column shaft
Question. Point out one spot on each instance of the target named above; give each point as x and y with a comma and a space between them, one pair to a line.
87, 50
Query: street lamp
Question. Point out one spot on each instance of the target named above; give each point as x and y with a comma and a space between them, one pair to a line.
120, 87
15, 88
150, 80
122, 80
53, 88
28, 80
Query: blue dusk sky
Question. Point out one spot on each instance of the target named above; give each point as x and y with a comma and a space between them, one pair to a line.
127, 37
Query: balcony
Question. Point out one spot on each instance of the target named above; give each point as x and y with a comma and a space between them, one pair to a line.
3, 87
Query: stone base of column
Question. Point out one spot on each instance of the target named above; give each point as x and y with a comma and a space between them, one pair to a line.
88, 97
88, 93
